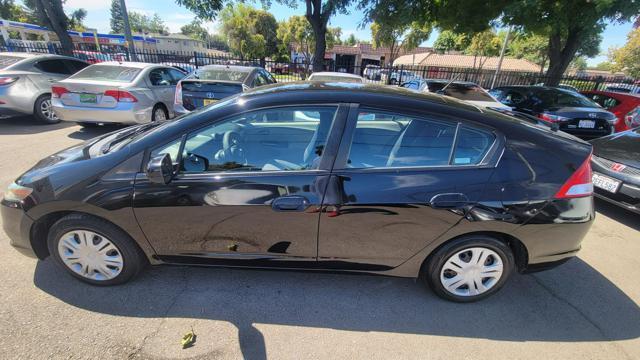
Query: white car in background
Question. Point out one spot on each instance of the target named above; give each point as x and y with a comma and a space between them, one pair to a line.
461, 90
329, 76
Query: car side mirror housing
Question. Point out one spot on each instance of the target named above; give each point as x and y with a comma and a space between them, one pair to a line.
160, 169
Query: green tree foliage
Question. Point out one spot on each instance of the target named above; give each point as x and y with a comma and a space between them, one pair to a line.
195, 30
351, 40
250, 33
142, 23
76, 19
578, 63
532, 47
218, 41
9, 10
627, 57
50, 14
117, 22
568, 25
604, 66
449, 41
296, 33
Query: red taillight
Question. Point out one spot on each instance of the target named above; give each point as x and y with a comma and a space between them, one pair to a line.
551, 118
6, 80
178, 97
58, 91
579, 184
121, 96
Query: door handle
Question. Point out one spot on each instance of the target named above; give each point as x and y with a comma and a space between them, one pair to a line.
290, 203
449, 201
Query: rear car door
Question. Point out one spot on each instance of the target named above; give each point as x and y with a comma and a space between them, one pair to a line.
52, 70
248, 188
163, 85
400, 181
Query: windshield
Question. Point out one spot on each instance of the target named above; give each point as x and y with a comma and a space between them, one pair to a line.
107, 73
562, 98
224, 74
469, 92
6, 61
334, 78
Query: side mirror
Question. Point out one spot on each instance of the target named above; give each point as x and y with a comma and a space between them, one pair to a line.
160, 169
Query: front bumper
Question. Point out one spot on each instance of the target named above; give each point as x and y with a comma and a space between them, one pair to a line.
17, 99
17, 225
123, 113
628, 193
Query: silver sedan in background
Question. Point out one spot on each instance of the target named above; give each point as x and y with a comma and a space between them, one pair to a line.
25, 82
117, 92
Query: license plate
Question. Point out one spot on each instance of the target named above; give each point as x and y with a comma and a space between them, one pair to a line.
209, 101
88, 98
606, 183
586, 124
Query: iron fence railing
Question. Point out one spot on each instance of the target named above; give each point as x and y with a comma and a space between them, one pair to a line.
294, 71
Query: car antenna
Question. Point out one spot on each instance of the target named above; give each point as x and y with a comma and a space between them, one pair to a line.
441, 91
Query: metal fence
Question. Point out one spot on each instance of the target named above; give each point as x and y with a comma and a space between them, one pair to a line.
287, 71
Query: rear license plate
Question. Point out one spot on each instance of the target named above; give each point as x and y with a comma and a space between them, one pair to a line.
586, 124
606, 183
88, 98
209, 101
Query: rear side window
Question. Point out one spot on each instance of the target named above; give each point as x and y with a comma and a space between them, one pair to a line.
471, 146
392, 140
468, 92
53, 66
604, 101
108, 73
161, 77
75, 65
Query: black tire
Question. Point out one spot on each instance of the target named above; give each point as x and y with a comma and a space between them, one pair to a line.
38, 111
431, 269
155, 109
133, 259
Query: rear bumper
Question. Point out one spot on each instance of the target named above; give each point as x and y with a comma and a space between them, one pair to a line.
124, 113
17, 99
17, 225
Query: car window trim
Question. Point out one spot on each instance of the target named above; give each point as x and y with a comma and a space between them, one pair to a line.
326, 162
489, 160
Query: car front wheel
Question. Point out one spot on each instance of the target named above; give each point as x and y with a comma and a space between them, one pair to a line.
94, 250
468, 269
43, 110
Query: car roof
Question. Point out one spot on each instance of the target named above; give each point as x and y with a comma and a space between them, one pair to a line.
132, 64
335, 73
36, 55
230, 67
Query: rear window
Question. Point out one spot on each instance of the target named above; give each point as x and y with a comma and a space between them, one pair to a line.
107, 73
6, 61
330, 78
562, 98
462, 91
221, 74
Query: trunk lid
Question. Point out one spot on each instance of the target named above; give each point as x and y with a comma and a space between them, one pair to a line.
88, 93
199, 93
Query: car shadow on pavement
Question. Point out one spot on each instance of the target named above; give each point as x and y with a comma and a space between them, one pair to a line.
86, 133
573, 303
25, 125
618, 214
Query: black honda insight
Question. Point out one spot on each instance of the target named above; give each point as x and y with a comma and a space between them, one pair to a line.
322, 176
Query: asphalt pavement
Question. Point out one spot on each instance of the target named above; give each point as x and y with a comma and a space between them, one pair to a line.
586, 309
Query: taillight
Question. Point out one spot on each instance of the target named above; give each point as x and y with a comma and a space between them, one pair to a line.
6, 80
552, 118
579, 184
178, 98
58, 91
121, 96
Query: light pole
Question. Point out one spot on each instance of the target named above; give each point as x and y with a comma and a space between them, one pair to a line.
502, 51
127, 31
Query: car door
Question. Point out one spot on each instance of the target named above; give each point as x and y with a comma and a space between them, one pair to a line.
51, 70
163, 85
400, 181
248, 189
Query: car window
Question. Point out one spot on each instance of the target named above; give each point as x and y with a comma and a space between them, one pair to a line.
53, 66
161, 77
278, 139
393, 140
606, 102
471, 146
269, 77
115, 73
75, 65
512, 97
176, 75
260, 80
412, 85
222, 73
547, 98
470, 92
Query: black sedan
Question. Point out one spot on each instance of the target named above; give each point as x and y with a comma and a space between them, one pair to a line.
573, 112
338, 177
616, 169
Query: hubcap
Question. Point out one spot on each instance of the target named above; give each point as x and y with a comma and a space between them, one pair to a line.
47, 111
159, 115
471, 272
90, 255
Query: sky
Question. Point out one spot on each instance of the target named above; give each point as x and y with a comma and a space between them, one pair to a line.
175, 16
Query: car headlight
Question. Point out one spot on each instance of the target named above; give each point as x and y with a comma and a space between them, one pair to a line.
17, 192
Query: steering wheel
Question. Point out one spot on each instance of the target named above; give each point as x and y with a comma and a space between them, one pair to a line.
232, 151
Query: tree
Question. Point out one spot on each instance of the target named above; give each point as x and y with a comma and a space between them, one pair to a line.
568, 25
144, 24
532, 47
579, 63
9, 10
627, 57
50, 14
296, 33
604, 66
117, 22
251, 33
351, 40
334, 35
218, 41
76, 19
450, 41
195, 30
391, 29
482, 46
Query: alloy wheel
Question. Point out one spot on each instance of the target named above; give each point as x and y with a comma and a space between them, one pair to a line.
471, 272
47, 110
90, 255
159, 115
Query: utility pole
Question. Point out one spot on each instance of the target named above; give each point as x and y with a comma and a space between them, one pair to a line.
127, 32
502, 51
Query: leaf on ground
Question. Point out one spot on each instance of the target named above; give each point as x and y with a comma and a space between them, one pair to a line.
188, 339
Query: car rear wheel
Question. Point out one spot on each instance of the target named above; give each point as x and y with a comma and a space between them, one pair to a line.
159, 113
468, 269
94, 250
43, 110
